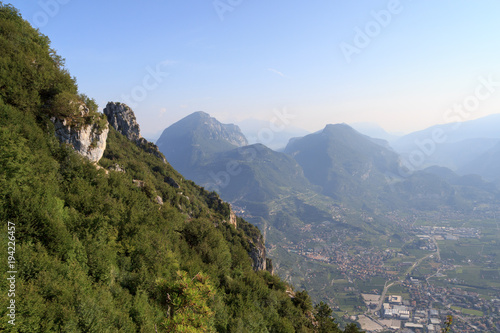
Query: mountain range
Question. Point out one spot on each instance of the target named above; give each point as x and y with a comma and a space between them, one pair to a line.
337, 162
336, 179
459, 146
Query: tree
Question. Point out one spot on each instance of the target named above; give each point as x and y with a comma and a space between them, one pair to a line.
323, 316
447, 324
352, 328
302, 301
187, 302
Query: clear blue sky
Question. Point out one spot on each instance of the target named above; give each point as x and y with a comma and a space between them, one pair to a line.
267, 55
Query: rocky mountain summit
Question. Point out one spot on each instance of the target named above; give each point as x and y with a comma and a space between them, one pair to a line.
123, 119
214, 129
195, 138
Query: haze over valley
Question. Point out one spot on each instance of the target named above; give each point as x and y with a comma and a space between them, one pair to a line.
243, 166
344, 217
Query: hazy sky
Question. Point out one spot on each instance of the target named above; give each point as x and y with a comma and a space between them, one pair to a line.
403, 64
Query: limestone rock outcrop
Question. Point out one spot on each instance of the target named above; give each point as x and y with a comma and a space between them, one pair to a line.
232, 219
171, 182
89, 140
122, 118
258, 255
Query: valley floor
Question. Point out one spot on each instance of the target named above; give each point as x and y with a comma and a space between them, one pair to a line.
438, 267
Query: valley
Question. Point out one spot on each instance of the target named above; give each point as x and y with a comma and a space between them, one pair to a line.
454, 265
341, 222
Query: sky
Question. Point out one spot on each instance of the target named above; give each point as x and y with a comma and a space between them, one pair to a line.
405, 65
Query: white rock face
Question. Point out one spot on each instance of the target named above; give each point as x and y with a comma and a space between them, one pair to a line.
87, 140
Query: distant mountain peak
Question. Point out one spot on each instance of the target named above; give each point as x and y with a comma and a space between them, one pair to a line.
196, 136
200, 114
342, 160
340, 126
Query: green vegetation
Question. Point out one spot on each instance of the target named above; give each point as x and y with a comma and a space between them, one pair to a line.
447, 324
95, 252
468, 311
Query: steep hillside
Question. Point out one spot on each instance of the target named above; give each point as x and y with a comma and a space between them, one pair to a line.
122, 242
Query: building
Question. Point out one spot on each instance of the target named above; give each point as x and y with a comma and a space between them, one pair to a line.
394, 299
389, 313
413, 325
404, 315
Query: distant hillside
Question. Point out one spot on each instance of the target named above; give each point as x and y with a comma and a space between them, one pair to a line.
216, 156
259, 174
358, 171
487, 165
338, 161
450, 145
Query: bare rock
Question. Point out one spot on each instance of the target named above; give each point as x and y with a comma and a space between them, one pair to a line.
117, 168
139, 183
232, 219
122, 118
159, 200
171, 182
258, 255
88, 140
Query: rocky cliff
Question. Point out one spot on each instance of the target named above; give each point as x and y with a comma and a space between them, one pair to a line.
88, 139
122, 118
258, 255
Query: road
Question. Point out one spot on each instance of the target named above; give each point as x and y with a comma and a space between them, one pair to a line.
438, 251
387, 286
382, 297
